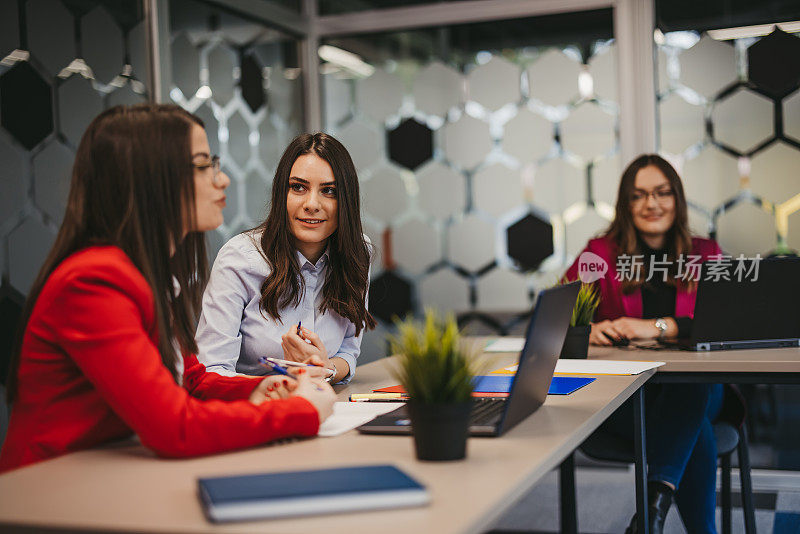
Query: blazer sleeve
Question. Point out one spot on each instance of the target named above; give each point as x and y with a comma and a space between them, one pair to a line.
219, 336
104, 333
209, 385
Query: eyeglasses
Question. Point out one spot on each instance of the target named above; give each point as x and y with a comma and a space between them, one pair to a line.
212, 164
662, 196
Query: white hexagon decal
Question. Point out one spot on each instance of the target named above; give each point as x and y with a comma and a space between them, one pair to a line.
416, 246
364, 144
437, 88
502, 290
445, 291
442, 191
743, 120
746, 229
588, 132
682, 124
494, 84
708, 66
711, 178
554, 78
528, 136
384, 194
471, 242
773, 174
380, 95
466, 141
497, 189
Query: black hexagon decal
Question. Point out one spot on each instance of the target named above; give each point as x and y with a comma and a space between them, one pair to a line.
530, 241
389, 296
774, 63
410, 144
26, 105
251, 83
11, 302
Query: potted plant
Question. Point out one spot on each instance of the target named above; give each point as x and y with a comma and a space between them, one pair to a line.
576, 344
437, 373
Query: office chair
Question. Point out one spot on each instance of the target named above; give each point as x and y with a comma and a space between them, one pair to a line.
731, 433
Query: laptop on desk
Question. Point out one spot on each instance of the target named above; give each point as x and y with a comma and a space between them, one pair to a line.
762, 311
537, 361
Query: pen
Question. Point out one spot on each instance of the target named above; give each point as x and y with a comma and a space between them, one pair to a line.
299, 326
378, 397
280, 369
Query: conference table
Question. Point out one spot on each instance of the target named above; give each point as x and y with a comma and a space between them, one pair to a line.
750, 366
125, 488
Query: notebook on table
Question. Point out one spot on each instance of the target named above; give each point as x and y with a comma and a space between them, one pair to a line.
527, 388
313, 492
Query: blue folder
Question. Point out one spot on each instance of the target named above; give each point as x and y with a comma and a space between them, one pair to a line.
560, 385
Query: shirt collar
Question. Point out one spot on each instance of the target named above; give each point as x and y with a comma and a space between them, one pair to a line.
302, 260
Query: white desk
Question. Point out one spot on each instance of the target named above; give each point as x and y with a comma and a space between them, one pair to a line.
126, 488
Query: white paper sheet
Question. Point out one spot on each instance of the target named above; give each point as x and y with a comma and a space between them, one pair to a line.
506, 344
598, 367
348, 415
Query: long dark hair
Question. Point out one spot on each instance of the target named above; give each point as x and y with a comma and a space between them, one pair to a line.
133, 187
623, 232
345, 288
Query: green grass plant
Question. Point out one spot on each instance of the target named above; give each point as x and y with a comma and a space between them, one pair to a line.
432, 362
588, 300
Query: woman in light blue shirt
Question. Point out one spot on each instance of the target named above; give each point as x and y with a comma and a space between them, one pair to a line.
308, 264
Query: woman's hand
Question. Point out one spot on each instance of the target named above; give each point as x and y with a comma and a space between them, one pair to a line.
632, 328
273, 387
318, 392
297, 349
627, 328
603, 332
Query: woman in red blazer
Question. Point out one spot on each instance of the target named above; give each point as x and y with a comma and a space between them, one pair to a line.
648, 291
107, 346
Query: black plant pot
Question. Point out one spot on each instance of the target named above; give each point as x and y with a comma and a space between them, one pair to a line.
440, 430
576, 344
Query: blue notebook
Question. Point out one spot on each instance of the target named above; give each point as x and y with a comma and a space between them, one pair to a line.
302, 493
560, 385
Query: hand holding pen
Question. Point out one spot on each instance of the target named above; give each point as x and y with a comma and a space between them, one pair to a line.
302, 345
294, 372
319, 394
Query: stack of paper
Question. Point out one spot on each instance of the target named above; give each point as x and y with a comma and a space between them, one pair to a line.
349, 415
593, 367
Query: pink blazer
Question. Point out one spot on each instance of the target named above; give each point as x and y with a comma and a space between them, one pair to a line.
613, 303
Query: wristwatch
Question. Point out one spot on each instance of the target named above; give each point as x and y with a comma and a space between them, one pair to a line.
331, 373
661, 324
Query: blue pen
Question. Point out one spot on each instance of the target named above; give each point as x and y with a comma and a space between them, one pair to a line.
281, 370
274, 366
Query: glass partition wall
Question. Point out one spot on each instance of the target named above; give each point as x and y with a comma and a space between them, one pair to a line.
485, 152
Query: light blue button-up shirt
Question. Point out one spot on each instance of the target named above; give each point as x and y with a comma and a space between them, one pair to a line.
233, 332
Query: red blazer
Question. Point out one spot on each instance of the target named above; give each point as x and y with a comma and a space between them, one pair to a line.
90, 372
613, 303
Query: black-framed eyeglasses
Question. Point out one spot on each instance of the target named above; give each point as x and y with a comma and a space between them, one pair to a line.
212, 164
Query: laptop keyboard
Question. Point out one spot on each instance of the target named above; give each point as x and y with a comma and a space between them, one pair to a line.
486, 411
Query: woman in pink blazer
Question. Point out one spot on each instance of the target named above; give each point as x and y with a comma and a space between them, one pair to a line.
647, 291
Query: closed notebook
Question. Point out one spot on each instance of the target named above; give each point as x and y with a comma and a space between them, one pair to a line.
314, 492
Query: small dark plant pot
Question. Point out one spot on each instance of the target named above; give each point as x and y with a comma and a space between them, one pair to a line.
576, 344
440, 430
